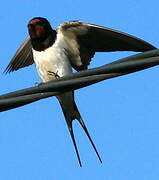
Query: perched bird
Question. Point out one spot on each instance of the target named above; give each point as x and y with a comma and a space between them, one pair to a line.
72, 44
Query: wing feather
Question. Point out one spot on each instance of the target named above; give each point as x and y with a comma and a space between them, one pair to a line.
22, 58
92, 38
87, 39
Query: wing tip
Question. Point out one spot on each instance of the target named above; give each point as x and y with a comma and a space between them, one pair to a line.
8, 70
148, 47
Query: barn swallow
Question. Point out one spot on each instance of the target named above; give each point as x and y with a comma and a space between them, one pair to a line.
71, 45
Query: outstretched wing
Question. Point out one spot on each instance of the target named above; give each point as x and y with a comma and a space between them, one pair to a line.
85, 39
92, 38
22, 58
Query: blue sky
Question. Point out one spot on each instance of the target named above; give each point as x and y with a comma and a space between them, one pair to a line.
121, 114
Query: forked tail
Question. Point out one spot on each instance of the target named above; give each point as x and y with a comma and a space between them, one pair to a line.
71, 113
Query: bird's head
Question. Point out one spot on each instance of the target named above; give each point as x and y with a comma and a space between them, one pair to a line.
39, 27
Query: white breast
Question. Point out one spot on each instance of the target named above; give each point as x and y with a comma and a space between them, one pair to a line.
54, 59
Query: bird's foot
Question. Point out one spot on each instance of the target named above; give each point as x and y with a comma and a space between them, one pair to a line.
53, 74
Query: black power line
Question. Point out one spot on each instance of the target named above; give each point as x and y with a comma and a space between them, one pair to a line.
79, 80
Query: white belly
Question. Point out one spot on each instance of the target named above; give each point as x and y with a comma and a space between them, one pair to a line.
53, 59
